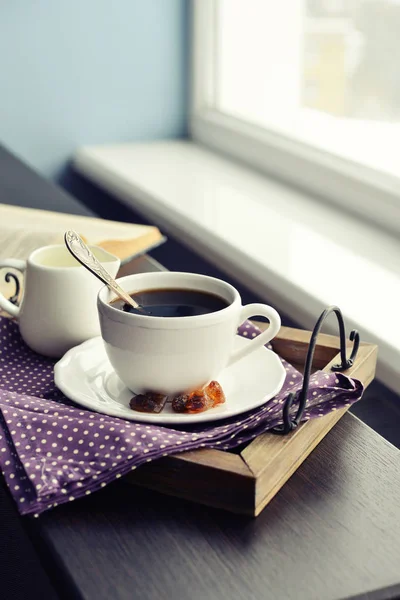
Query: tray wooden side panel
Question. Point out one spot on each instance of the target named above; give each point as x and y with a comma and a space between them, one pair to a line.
273, 459
209, 477
292, 345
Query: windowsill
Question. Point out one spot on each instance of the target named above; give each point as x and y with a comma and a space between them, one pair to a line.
301, 254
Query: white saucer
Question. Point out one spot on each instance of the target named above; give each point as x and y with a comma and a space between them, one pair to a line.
86, 376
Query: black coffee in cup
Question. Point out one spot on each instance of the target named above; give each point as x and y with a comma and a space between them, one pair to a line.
174, 302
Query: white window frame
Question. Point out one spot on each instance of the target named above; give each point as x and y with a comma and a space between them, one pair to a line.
359, 189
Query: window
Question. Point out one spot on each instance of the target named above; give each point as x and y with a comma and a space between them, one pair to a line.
308, 90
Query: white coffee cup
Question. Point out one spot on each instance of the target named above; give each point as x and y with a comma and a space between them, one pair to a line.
58, 308
176, 354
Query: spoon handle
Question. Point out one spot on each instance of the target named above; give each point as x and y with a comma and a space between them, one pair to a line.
84, 255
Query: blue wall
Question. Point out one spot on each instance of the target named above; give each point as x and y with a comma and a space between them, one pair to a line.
76, 72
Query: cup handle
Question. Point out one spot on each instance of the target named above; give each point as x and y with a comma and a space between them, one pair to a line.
251, 310
20, 265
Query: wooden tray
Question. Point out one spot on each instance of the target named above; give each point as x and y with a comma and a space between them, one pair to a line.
244, 482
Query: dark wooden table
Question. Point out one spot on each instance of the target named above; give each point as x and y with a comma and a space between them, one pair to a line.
332, 532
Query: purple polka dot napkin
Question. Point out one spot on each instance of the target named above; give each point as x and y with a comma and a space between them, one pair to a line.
52, 451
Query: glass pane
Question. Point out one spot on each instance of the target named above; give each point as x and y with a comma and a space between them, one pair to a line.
323, 71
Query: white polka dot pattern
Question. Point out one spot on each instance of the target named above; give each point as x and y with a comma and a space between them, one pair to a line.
53, 452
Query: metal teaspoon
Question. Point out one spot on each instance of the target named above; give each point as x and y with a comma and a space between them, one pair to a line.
84, 255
